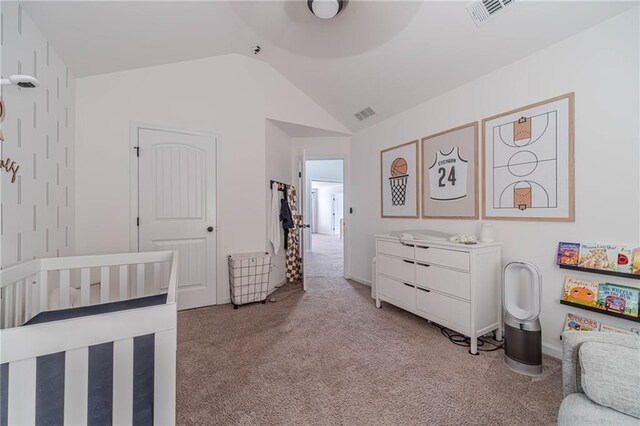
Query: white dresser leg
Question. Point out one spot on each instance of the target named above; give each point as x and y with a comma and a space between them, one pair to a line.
474, 346
378, 304
499, 333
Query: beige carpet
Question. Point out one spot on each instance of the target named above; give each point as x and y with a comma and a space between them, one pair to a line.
329, 357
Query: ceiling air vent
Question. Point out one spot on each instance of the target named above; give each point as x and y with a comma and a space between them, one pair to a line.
364, 114
482, 10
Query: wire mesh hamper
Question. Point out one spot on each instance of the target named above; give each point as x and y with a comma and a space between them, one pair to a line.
249, 277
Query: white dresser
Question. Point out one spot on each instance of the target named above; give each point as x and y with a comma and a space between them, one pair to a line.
455, 285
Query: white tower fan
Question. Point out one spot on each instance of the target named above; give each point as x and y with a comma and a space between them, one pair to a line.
522, 331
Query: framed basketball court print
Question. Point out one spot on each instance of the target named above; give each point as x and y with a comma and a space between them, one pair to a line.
399, 181
450, 174
528, 162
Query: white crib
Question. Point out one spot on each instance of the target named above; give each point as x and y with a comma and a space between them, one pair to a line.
107, 355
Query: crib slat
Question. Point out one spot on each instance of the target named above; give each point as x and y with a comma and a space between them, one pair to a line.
17, 310
28, 296
8, 306
104, 284
76, 380
64, 289
85, 286
124, 282
164, 381
123, 382
157, 278
44, 291
140, 281
22, 391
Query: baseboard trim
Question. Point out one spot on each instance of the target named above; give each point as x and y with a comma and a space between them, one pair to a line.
361, 280
551, 350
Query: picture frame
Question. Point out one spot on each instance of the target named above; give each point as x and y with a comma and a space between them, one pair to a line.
528, 162
450, 173
399, 183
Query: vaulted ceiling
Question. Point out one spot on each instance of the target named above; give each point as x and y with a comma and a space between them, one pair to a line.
387, 55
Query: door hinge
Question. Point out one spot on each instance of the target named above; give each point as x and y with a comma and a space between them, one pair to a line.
138, 221
137, 148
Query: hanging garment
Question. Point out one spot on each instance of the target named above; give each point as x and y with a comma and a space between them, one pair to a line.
274, 219
286, 219
294, 262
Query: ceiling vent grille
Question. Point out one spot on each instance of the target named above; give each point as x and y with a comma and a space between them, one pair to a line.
482, 10
364, 114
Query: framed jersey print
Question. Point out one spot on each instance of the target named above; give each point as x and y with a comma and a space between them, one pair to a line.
450, 174
399, 181
528, 162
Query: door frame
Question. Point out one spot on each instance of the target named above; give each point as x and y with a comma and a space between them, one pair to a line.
346, 201
134, 211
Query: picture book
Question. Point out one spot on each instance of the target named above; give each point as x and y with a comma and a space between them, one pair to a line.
568, 253
624, 259
578, 323
593, 256
611, 329
618, 298
578, 290
636, 261
612, 255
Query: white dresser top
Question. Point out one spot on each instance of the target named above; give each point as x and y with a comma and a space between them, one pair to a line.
437, 242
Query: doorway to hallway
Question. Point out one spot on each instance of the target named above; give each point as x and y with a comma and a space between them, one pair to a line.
324, 246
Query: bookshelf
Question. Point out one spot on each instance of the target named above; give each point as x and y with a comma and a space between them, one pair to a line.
601, 272
600, 311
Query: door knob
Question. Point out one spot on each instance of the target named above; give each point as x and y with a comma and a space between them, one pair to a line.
210, 229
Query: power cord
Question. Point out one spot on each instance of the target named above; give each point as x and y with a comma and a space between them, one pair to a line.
461, 340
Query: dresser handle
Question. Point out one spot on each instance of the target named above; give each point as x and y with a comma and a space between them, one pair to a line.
423, 247
409, 285
409, 261
423, 289
406, 245
423, 264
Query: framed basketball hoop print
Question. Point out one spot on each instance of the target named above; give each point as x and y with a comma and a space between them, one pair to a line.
399, 181
450, 174
528, 162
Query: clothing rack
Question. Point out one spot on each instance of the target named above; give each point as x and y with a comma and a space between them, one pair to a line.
281, 186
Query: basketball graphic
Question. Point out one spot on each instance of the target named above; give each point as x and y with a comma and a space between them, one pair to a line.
398, 181
399, 167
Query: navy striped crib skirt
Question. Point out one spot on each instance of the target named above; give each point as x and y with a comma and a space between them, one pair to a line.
50, 389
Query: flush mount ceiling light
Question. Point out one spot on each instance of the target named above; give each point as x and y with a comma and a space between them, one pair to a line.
326, 9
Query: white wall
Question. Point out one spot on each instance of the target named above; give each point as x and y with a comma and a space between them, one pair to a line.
601, 66
38, 209
278, 168
230, 96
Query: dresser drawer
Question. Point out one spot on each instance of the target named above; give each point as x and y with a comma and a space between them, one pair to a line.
395, 249
449, 258
456, 313
400, 269
444, 280
403, 293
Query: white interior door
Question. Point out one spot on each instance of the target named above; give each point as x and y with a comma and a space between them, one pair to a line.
336, 214
304, 207
177, 207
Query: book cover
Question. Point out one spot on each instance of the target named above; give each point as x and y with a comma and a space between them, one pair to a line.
611, 329
593, 256
581, 291
618, 298
578, 323
612, 255
636, 261
568, 253
624, 259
